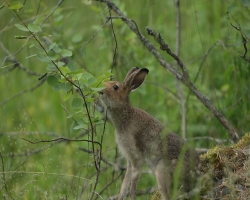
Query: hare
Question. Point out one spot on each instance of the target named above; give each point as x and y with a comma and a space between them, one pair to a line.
143, 139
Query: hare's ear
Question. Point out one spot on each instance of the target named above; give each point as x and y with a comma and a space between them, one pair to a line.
130, 72
134, 79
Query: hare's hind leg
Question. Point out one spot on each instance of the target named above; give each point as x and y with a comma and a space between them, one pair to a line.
163, 179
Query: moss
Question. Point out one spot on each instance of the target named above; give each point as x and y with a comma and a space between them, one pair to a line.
225, 172
156, 195
243, 142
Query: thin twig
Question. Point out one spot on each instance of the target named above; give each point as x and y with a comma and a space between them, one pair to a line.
22, 92
4, 185
177, 98
165, 47
116, 44
244, 41
3, 170
239, 99
108, 184
178, 87
95, 185
218, 141
4, 29
51, 13
203, 61
94, 35
116, 166
11, 58
60, 139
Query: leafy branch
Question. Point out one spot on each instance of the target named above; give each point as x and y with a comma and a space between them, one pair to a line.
63, 77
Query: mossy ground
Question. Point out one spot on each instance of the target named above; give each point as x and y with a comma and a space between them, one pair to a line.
225, 172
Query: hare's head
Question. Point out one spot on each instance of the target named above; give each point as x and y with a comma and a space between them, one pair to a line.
116, 94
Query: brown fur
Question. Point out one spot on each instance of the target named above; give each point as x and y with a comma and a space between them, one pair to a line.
140, 138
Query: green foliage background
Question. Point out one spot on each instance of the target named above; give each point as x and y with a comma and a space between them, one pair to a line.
210, 47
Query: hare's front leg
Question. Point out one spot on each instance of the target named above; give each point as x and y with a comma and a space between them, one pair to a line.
162, 176
135, 175
126, 182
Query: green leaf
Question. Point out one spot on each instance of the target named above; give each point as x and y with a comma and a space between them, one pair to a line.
51, 67
86, 75
90, 100
77, 38
100, 121
20, 37
52, 81
31, 56
78, 77
77, 103
91, 81
52, 46
60, 64
81, 126
57, 87
15, 5
65, 86
34, 28
66, 53
65, 70
55, 48
43, 57
32, 44
72, 66
97, 121
39, 19
97, 89
68, 94
53, 56
74, 114
72, 130
21, 27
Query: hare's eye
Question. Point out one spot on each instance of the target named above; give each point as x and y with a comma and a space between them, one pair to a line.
115, 87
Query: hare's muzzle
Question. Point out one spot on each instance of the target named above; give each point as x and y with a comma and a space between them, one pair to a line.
101, 92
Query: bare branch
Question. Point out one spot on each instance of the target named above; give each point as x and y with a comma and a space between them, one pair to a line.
93, 36
22, 92
4, 185
3, 174
165, 47
218, 141
179, 88
108, 184
244, 41
61, 139
16, 64
116, 44
51, 13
